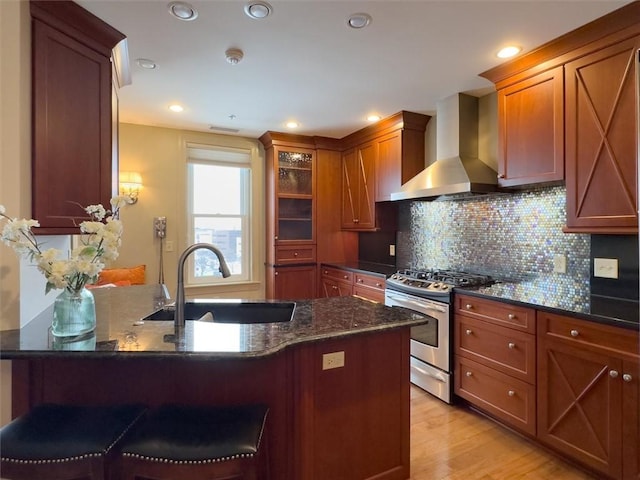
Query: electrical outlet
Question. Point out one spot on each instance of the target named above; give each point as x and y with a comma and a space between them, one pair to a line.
332, 360
160, 227
168, 246
605, 267
560, 264
392, 250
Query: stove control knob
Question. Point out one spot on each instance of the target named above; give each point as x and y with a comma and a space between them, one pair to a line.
444, 286
436, 284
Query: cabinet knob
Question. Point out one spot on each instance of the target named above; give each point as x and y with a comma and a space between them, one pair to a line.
469, 374
511, 316
627, 377
359, 280
355, 220
276, 237
275, 273
511, 393
345, 276
468, 306
295, 254
575, 333
613, 373
326, 273
511, 345
501, 175
378, 284
468, 331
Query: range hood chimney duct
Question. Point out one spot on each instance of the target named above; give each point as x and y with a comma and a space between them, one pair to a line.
457, 169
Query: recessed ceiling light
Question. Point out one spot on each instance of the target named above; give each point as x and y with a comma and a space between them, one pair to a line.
359, 20
176, 108
146, 63
373, 118
258, 10
183, 11
509, 51
292, 124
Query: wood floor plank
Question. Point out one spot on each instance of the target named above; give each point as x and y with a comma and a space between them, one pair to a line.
454, 443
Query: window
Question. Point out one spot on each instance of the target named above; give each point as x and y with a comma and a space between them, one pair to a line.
219, 211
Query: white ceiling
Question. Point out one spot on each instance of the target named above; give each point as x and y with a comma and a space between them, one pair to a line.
303, 63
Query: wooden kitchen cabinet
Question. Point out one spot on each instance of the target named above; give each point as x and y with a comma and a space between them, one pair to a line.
290, 216
358, 187
293, 282
72, 114
588, 393
531, 130
602, 139
342, 282
376, 161
495, 359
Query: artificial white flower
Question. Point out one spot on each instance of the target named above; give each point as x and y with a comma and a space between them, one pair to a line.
100, 239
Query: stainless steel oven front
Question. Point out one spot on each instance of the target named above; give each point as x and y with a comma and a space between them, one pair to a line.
430, 343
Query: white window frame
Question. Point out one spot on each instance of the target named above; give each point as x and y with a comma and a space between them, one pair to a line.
221, 156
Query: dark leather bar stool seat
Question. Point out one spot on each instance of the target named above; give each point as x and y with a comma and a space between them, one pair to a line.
198, 442
64, 441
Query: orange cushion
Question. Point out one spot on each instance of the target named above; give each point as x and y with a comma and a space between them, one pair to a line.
135, 275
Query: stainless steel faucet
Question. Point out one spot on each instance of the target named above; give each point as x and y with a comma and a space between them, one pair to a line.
224, 269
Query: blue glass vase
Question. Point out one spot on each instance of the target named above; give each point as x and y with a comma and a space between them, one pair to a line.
74, 313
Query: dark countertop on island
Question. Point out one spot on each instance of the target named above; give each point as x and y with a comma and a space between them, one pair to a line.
118, 332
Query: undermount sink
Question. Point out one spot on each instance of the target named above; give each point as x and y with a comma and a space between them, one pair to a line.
232, 312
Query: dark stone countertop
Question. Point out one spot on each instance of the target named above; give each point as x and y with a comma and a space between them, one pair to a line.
119, 309
370, 268
541, 294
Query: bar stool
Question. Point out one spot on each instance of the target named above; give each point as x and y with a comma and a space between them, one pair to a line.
198, 442
60, 442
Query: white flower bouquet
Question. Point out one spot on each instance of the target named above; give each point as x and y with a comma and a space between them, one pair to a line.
99, 243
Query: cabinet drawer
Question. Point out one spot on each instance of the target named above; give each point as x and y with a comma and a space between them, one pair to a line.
337, 274
369, 281
295, 254
510, 351
588, 334
499, 313
374, 294
504, 397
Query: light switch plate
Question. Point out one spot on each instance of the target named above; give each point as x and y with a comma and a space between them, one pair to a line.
560, 263
605, 267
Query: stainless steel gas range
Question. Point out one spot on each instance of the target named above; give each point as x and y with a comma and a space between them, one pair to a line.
430, 292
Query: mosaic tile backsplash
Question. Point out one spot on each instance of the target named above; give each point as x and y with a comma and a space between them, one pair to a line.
512, 236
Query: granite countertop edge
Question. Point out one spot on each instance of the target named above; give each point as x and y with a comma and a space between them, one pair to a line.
560, 310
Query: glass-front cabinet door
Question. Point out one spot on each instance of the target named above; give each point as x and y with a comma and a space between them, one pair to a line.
295, 189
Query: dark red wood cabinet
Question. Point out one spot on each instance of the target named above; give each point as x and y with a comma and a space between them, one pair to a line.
72, 113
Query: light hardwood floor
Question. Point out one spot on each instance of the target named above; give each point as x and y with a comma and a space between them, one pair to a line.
454, 443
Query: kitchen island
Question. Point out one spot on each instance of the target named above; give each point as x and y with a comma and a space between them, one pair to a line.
347, 421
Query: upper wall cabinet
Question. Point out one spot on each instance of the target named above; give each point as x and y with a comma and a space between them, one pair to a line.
531, 130
376, 161
602, 139
72, 113
577, 94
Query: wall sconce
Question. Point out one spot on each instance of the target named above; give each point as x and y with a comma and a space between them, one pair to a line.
130, 185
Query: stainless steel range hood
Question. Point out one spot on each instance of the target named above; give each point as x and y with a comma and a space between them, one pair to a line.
457, 169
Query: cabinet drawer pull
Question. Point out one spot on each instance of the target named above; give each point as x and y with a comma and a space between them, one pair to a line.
468, 306
359, 280
378, 284
326, 273
468, 331
627, 377
334, 287
345, 276
469, 374
511, 393
501, 175
276, 274
613, 373
276, 237
511, 345
575, 333
295, 254
511, 316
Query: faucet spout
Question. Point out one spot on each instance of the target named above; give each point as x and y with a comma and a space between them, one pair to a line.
224, 269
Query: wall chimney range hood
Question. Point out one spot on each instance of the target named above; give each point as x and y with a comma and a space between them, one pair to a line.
457, 169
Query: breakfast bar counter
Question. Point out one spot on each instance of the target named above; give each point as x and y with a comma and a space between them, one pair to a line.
336, 377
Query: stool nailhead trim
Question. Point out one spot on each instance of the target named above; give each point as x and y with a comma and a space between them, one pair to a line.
188, 462
52, 460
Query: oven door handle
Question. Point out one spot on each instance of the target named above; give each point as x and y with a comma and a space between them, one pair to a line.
419, 305
437, 376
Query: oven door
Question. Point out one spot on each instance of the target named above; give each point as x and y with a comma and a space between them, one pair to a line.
430, 341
